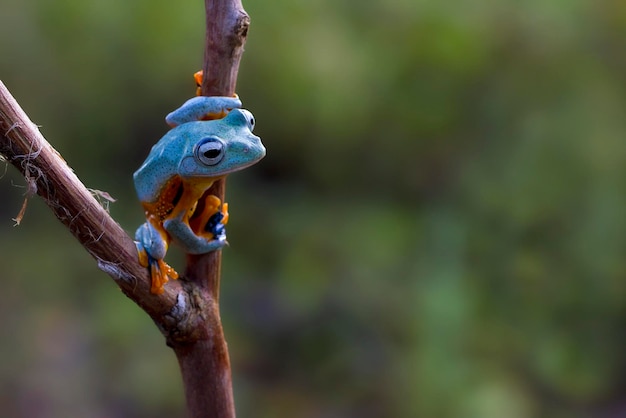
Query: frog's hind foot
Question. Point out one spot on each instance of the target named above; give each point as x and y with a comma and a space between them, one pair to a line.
160, 272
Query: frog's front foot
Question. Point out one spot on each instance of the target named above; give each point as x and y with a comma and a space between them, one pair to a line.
216, 225
151, 249
210, 221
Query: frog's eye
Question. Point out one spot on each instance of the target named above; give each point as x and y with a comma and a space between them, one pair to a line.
249, 118
210, 151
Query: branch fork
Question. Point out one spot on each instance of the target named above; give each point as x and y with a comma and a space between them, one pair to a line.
187, 312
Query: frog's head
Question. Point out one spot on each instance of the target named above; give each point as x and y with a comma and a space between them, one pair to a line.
219, 147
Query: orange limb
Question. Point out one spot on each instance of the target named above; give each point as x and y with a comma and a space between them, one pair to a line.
144, 261
225, 213
209, 208
197, 76
161, 272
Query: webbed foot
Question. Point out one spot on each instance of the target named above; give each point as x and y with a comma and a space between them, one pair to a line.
198, 76
160, 271
151, 248
216, 225
210, 222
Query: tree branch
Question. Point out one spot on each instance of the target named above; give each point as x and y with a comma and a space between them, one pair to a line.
47, 174
205, 363
187, 312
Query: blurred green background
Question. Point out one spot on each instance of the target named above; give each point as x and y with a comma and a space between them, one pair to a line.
438, 229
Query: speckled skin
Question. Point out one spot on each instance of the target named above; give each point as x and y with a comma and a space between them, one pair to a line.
174, 153
172, 182
197, 108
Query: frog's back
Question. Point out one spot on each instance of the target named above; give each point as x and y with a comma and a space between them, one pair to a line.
160, 165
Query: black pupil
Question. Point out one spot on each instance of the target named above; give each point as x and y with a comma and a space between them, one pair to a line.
212, 153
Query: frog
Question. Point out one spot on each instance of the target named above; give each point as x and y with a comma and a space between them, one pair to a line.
210, 137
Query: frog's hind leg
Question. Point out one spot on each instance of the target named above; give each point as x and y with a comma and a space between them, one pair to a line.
151, 241
151, 248
202, 108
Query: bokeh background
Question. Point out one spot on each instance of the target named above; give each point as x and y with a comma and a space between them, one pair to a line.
438, 229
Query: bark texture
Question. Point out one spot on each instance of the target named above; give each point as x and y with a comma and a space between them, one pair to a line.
207, 360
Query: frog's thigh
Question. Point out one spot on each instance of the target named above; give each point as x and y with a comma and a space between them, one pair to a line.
151, 240
198, 107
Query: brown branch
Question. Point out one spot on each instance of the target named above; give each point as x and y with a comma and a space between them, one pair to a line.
47, 174
205, 363
188, 311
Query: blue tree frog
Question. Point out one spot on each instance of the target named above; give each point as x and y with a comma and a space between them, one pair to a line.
211, 137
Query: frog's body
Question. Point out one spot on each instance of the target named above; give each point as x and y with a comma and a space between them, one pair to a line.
173, 181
